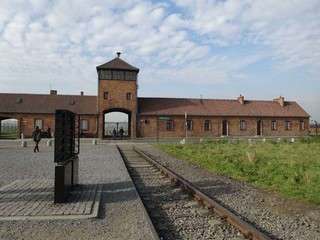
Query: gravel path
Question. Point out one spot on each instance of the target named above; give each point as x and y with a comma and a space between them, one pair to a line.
120, 215
280, 218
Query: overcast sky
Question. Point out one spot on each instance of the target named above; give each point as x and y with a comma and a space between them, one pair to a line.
184, 48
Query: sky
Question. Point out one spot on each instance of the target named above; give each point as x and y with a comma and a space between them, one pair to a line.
184, 48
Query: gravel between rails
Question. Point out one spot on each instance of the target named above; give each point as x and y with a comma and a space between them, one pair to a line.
174, 213
280, 218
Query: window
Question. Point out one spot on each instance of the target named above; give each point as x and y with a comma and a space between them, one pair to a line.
170, 125
105, 74
84, 124
130, 76
129, 96
273, 125
207, 125
117, 75
288, 125
189, 125
243, 125
38, 123
146, 121
106, 95
302, 125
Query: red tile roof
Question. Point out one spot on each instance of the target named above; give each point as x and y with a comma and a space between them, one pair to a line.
45, 103
218, 107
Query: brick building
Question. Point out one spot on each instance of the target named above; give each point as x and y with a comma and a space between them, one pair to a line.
154, 117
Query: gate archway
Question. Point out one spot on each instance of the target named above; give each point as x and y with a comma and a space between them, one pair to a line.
117, 123
9, 128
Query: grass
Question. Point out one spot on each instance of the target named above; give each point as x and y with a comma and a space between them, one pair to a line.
9, 134
292, 169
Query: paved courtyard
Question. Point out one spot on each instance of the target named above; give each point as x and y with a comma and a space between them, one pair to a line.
32, 200
121, 213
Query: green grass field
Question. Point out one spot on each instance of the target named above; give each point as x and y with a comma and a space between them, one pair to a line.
292, 169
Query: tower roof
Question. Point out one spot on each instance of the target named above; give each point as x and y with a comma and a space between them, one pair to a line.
117, 64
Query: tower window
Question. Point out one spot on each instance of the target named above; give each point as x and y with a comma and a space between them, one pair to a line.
130, 75
117, 75
129, 96
106, 95
105, 74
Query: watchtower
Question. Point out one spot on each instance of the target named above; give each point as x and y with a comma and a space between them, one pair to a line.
117, 99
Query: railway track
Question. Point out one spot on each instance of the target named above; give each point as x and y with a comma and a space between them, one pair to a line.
178, 209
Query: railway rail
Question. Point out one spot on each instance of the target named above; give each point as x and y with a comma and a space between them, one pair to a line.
178, 209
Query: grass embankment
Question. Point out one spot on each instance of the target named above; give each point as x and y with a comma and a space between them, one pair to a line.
293, 169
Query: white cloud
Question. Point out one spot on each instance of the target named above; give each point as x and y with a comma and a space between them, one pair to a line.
290, 28
62, 41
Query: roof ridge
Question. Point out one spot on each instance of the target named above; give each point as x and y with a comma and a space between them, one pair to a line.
212, 99
44, 94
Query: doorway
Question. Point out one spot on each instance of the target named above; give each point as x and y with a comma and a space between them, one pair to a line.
117, 124
259, 128
225, 128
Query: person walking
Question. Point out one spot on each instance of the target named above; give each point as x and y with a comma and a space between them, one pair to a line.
36, 135
49, 133
121, 132
114, 133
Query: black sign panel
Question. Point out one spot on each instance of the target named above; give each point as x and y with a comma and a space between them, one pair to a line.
66, 136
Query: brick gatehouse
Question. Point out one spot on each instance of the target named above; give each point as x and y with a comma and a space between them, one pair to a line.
153, 117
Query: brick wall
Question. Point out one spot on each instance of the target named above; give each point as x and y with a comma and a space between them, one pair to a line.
149, 126
92, 125
117, 90
26, 123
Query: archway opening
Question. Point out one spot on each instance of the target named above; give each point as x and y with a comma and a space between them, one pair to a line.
9, 128
117, 124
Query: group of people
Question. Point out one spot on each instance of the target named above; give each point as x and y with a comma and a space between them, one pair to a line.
37, 135
115, 133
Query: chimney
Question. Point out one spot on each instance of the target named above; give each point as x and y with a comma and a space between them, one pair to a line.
53, 92
201, 99
81, 93
280, 100
241, 99
118, 54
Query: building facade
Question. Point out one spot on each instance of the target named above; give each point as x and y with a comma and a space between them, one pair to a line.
153, 117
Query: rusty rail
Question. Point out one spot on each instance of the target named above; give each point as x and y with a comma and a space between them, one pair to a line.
245, 228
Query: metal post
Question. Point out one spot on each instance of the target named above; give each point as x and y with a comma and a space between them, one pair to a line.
157, 129
186, 124
117, 128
